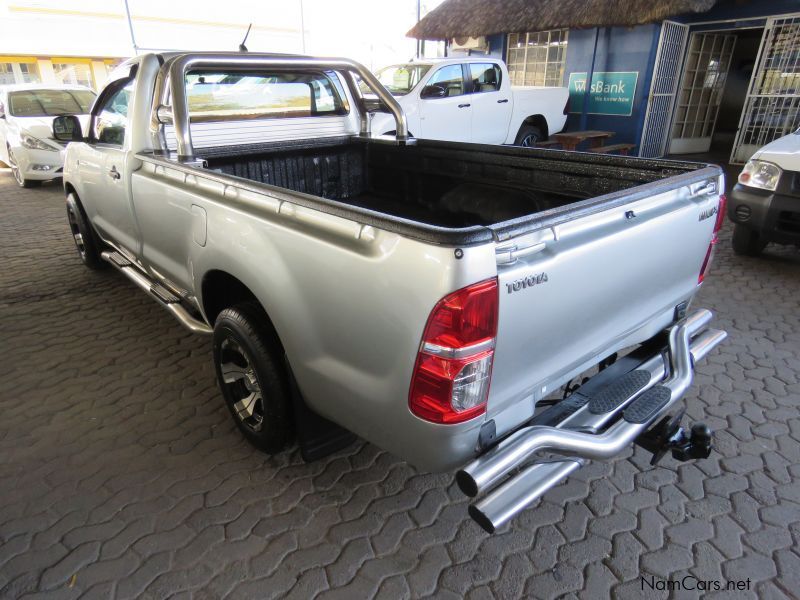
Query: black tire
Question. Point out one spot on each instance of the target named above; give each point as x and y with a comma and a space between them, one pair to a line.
746, 242
86, 242
249, 363
528, 136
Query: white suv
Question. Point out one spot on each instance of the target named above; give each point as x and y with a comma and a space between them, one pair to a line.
26, 119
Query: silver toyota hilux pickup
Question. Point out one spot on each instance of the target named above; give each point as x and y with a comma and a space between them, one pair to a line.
504, 312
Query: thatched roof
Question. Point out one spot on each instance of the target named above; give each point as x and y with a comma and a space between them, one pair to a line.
457, 18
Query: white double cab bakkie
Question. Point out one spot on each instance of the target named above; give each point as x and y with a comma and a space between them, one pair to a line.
26, 125
470, 99
435, 298
765, 203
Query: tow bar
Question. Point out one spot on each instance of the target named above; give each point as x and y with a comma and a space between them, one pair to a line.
668, 435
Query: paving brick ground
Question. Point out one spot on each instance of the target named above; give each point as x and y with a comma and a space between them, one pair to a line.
121, 474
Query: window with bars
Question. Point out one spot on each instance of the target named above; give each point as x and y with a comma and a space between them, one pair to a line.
18, 73
29, 72
537, 58
74, 73
6, 74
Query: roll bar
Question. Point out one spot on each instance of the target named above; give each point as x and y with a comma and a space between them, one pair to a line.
170, 101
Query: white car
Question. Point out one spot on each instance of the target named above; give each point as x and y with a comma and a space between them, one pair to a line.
765, 203
26, 120
470, 99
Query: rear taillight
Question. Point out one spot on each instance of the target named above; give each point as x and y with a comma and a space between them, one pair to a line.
451, 377
721, 208
707, 259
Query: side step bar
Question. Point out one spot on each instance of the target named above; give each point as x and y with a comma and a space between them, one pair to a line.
156, 291
632, 403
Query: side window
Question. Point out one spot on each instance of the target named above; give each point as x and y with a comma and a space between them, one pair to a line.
111, 116
485, 77
450, 79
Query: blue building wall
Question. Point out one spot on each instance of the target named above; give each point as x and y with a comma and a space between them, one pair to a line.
618, 49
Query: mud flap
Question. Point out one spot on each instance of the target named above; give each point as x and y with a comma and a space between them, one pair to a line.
317, 436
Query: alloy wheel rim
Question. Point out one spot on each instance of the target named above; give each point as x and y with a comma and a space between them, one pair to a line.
15, 169
529, 140
76, 232
240, 379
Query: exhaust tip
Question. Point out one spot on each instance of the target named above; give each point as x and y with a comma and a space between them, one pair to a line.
481, 519
467, 484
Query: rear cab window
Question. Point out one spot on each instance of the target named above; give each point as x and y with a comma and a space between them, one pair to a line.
230, 96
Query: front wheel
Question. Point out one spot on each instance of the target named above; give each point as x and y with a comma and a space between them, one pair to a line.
746, 241
528, 136
83, 235
252, 377
18, 176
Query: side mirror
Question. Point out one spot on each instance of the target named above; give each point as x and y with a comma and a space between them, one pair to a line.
433, 91
67, 128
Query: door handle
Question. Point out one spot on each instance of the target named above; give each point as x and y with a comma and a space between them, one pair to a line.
503, 101
113, 173
463, 105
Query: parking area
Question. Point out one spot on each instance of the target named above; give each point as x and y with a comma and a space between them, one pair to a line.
122, 474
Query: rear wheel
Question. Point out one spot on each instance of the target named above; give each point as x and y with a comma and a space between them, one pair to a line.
83, 235
528, 136
252, 377
746, 241
18, 176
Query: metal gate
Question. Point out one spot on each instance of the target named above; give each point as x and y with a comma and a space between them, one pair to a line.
772, 107
697, 103
666, 75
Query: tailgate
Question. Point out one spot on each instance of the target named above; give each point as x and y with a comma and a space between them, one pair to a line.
582, 289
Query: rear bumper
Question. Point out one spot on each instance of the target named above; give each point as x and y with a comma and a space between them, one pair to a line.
600, 425
775, 216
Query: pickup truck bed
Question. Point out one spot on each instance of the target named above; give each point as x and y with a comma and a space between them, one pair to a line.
447, 185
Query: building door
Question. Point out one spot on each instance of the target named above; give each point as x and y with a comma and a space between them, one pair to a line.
772, 107
666, 75
705, 70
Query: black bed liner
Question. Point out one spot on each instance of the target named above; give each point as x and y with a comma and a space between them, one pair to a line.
591, 182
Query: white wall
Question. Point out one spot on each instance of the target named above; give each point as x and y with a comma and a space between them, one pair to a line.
372, 31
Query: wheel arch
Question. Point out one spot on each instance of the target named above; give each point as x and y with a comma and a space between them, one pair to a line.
539, 121
220, 290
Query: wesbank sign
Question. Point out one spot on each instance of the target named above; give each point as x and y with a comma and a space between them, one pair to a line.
611, 93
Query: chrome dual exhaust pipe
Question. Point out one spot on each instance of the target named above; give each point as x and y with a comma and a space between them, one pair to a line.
514, 495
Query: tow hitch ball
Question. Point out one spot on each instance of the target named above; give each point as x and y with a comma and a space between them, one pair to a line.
668, 435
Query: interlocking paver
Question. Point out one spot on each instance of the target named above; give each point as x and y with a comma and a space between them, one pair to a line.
122, 475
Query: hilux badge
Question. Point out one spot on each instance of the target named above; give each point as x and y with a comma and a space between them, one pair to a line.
526, 282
